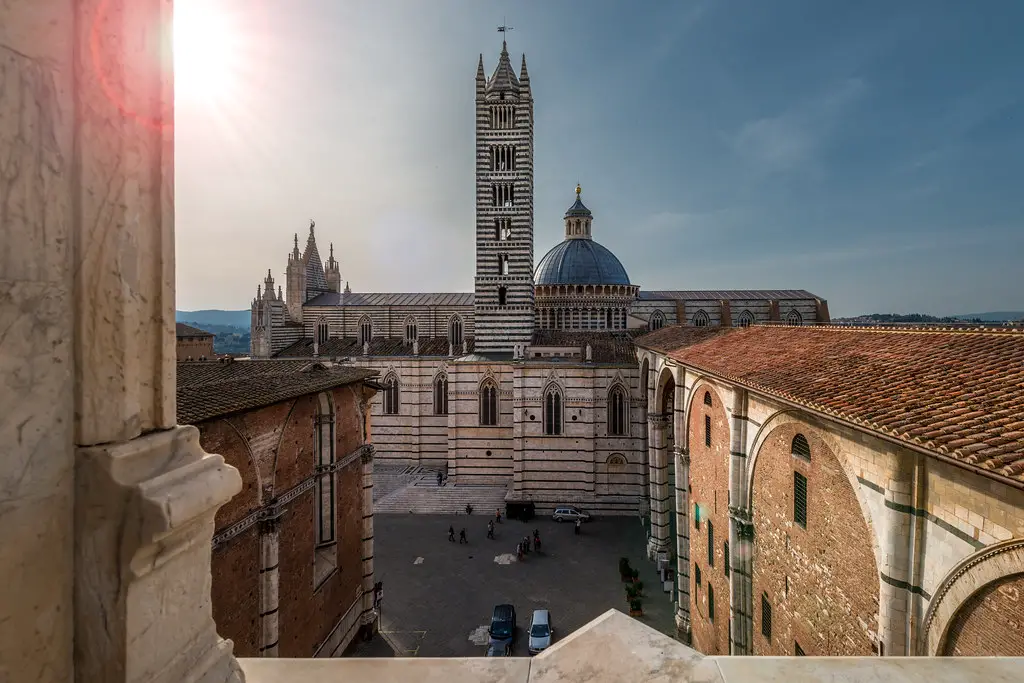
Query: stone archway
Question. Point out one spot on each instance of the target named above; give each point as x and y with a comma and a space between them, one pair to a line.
982, 590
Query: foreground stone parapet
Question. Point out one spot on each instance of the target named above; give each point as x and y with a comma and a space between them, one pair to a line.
615, 648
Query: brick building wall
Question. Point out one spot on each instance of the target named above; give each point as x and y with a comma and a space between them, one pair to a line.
273, 449
709, 481
990, 623
821, 580
194, 348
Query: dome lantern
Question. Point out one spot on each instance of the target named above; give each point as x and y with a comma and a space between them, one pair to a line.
577, 219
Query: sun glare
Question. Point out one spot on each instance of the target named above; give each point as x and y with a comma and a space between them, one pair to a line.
206, 52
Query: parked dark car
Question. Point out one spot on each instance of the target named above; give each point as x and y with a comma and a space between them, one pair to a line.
503, 627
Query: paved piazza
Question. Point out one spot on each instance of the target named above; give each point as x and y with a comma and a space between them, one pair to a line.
438, 595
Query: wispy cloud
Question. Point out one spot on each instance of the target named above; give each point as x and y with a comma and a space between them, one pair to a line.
793, 137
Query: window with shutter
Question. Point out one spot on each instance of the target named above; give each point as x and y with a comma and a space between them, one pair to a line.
766, 617
711, 544
800, 499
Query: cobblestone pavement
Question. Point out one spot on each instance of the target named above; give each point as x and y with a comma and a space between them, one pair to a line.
438, 595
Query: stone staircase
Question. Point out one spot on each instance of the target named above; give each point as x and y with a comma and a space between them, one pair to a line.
422, 496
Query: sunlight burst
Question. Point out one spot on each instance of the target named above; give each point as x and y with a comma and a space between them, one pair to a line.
207, 52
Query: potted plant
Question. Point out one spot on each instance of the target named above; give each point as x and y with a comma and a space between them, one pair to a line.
631, 592
636, 608
638, 588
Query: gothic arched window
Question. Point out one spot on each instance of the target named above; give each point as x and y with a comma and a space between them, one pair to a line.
794, 318
701, 319
489, 403
503, 264
441, 395
707, 398
746, 319
365, 330
323, 331
455, 330
410, 330
391, 391
618, 411
502, 296
657, 321
325, 558
553, 411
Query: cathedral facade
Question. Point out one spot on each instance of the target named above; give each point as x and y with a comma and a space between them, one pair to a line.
532, 380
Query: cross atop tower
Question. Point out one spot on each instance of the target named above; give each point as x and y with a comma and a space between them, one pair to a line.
504, 29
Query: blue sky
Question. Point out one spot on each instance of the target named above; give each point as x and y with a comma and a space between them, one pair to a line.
871, 152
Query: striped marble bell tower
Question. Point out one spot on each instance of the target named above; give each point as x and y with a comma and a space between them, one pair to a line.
504, 207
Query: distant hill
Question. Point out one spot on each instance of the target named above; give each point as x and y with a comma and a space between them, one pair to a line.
214, 317
898, 318
995, 316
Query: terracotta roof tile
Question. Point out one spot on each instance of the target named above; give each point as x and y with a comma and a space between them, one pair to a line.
958, 392
209, 389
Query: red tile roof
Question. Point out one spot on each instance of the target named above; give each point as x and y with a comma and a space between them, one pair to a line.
958, 393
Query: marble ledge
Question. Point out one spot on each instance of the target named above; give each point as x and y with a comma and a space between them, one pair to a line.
615, 648
709, 670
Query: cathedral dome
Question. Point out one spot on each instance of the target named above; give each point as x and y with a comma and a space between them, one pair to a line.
580, 262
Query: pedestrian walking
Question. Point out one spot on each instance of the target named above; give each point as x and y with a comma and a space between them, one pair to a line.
578, 524
451, 534
462, 537
490, 529
497, 513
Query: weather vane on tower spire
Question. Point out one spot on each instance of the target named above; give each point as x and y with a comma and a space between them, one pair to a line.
504, 29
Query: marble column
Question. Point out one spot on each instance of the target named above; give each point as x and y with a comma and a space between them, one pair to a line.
740, 544
897, 531
658, 541
682, 493
741, 577
107, 505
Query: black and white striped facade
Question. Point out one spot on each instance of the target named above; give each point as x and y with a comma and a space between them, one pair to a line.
521, 338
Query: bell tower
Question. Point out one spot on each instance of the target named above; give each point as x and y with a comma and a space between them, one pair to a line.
504, 310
